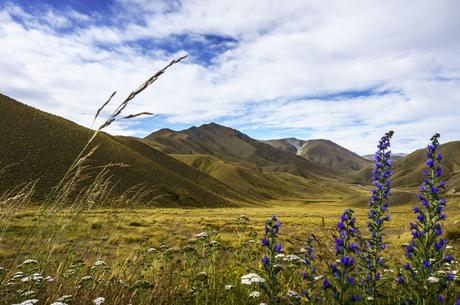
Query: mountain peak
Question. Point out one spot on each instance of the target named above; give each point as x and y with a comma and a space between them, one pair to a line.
213, 125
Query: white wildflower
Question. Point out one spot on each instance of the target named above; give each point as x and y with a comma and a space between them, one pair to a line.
29, 293
254, 294
370, 298
36, 277
318, 277
65, 298
291, 294
228, 287
28, 302
449, 247
214, 243
250, 278
70, 272
50, 279
29, 262
291, 257
18, 275
86, 278
433, 279
202, 235
99, 301
388, 270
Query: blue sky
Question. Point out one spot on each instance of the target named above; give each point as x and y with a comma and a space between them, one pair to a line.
347, 71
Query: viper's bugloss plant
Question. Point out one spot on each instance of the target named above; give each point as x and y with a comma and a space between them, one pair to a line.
273, 247
309, 274
426, 252
343, 280
372, 261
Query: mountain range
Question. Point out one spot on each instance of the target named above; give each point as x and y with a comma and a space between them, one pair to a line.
210, 165
324, 152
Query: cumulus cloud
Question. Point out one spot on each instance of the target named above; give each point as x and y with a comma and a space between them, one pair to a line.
346, 71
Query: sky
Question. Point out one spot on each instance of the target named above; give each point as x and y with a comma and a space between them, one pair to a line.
347, 71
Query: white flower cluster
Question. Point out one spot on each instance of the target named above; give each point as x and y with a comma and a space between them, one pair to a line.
99, 301
291, 257
65, 298
36, 277
28, 302
29, 262
250, 278
202, 235
214, 243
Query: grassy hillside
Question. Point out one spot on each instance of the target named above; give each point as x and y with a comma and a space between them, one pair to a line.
324, 152
253, 181
408, 171
38, 145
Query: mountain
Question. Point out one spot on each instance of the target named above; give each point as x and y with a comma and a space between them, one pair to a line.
246, 164
409, 170
324, 152
38, 145
291, 145
394, 156
232, 145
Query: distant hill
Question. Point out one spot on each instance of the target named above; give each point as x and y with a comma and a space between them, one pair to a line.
408, 171
324, 152
394, 156
42, 146
231, 145
246, 164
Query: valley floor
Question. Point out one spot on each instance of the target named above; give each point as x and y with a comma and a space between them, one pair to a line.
105, 232
172, 256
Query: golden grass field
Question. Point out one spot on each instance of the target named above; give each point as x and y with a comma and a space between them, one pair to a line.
109, 233
145, 255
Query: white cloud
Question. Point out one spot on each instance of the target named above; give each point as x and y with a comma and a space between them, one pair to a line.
286, 50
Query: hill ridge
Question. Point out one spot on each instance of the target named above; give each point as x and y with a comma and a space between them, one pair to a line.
44, 146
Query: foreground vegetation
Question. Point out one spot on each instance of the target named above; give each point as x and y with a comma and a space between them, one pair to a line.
174, 256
